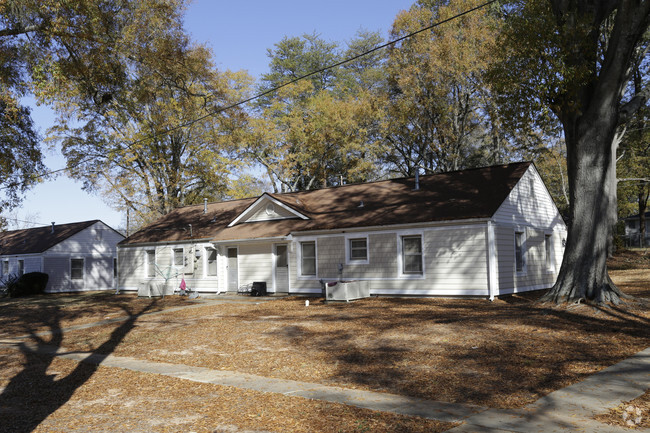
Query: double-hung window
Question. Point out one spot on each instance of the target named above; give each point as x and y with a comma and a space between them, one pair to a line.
412, 255
548, 252
358, 249
211, 262
77, 269
308, 258
21, 267
520, 252
178, 257
151, 263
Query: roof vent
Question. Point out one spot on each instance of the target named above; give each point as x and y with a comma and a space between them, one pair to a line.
205, 206
417, 179
361, 203
53, 227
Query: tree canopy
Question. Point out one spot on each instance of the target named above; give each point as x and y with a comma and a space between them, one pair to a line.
574, 59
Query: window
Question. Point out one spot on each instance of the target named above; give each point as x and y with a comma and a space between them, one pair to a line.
151, 263
308, 258
178, 257
520, 258
77, 269
548, 252
115, 268
21, 267
211, 261
412, 254
358, 249
5, 267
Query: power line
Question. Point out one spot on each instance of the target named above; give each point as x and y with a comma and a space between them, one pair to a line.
275, 89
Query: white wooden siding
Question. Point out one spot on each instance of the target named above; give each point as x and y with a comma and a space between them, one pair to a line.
529, 203
58, 270
536, 275
256, 263
259, 213
132, 268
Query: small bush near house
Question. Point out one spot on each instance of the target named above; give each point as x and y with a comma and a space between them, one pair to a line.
32, 283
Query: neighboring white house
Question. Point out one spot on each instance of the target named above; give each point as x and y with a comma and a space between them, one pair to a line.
479, 232
77, 256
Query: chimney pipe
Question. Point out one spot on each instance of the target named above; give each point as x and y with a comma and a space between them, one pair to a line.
53, 227
205, 206
417, 179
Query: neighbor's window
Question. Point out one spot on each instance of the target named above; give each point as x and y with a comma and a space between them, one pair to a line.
77, 269
21, 267
5, 267
548, 250
358, 249
412, 254
178, 257
151, 263
211, 259
308, 254
520, 258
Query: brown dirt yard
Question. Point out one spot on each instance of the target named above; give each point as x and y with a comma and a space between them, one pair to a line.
502, 354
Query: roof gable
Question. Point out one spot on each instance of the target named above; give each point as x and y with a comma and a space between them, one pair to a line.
529, 203
39, 239
267, 208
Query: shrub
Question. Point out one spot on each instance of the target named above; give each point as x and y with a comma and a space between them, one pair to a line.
32, 283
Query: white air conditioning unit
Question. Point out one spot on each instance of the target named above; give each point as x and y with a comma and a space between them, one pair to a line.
346, 290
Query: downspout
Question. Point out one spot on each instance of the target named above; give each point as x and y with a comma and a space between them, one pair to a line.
491, 261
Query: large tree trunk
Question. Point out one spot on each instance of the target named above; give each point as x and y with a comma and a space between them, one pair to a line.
592, 188
590, 111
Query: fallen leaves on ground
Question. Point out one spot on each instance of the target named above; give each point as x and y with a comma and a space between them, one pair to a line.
632, 414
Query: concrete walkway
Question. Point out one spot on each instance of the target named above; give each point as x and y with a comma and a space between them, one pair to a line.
567, 410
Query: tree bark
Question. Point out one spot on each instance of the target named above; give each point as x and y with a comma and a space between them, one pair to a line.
592, 188
590, 113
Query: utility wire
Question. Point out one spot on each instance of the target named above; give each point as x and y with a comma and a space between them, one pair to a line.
275, 89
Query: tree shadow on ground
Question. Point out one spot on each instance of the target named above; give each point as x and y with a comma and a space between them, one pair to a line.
504, 354
34, 393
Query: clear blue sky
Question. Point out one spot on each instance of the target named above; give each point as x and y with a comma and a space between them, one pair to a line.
239, 33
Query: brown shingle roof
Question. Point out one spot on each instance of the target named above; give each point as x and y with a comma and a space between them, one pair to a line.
39, 239
466, 194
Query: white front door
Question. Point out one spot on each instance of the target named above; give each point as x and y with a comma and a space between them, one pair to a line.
281, 258
233, 271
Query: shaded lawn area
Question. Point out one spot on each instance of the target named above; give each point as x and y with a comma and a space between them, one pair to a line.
116, 400
503, 354
20, 316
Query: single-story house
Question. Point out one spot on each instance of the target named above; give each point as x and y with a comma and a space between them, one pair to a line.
479, 232
633, 230
77, 256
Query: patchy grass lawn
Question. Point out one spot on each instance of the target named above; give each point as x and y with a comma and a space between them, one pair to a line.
503, 354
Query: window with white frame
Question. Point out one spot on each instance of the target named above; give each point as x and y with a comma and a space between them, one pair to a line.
5, 267
548, 252
520, 251
151, 263
21, 267
412, 255
77, 269
308, 258
179, 259
210, 261
358, 249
